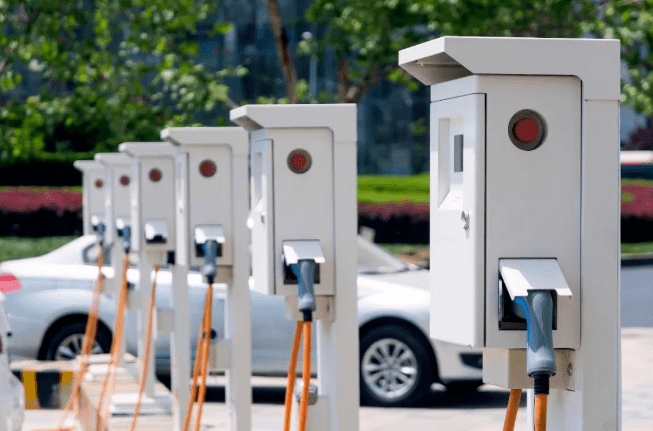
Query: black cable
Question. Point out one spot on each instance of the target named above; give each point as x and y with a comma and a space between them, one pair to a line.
541, 383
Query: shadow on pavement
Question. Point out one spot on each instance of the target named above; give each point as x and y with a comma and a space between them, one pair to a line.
487, 398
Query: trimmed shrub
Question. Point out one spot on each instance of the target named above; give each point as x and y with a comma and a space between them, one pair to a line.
49, 169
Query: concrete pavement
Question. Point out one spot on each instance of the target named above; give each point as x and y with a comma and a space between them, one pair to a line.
479, 411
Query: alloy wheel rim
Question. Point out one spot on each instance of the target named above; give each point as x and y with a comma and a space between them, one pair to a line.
389, 369
71, 346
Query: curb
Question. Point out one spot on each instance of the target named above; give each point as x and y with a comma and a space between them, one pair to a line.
48, 385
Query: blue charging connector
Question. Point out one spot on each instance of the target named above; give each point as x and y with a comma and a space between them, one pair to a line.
99, 233
210, 257
540, 355
304, 270
126, 235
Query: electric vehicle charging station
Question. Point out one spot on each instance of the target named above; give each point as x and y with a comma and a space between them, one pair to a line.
212, 205
153, 241
303, 217
117, 223
92, 196
116, 206
525, 202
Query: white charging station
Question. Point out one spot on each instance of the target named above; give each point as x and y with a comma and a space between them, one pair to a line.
117, 206
153, 241
303, 207
212, 205
117, 216
92, 194
524, 197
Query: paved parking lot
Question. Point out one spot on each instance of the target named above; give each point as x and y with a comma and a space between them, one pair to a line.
479, 411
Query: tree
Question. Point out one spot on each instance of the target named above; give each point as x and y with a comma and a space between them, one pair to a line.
110, 71
283, 50
631, 21
366, 35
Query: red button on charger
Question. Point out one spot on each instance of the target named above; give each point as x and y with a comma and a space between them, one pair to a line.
526, 130
155, 175
299, 161
208, 168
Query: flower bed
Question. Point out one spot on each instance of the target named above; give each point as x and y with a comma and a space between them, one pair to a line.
40, 211
31, 199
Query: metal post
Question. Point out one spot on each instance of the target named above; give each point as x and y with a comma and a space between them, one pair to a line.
180, 348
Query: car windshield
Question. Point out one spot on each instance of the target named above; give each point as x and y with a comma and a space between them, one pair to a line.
372, 259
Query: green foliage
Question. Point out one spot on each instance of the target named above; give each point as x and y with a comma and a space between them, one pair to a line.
366, 35
20, 248
110, 71
632, 23
384, 188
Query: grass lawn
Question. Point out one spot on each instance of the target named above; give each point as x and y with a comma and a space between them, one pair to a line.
12, 247
405, 248
637, 248
626, 248
384, 188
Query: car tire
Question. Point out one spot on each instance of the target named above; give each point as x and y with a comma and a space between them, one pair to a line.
65, 342
395, 367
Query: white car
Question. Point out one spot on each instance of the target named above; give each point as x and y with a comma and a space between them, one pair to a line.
49, 315
12, 392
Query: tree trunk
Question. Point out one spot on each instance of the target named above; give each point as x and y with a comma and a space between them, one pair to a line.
283, 50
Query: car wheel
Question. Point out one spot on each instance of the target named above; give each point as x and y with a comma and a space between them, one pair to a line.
395, 367
66, 343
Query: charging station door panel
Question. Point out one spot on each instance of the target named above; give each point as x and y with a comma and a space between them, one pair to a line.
534, 197
122, 178
94, 192
182, 248
458, 219
262, 216
156, 198
109, 224
136, 208
210, 196
304, 202
117, 199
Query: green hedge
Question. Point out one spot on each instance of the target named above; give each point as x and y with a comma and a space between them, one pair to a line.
48, 169
383, 188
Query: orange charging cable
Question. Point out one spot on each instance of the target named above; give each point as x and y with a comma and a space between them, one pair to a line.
145, 363
109, 381
511, 411
290, 386
196, 368
205, 358
540, 412
201, 363
306, 375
